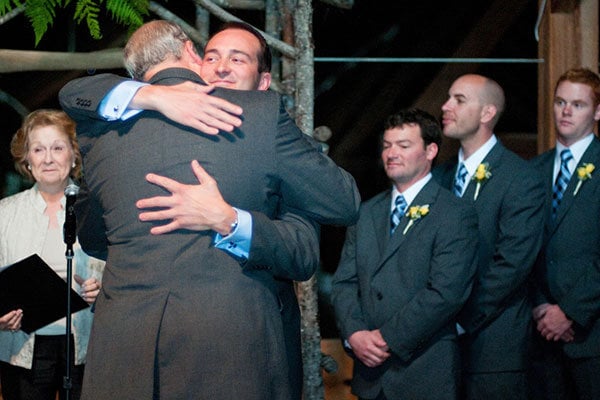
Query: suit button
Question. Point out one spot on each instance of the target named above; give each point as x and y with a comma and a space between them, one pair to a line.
379, 296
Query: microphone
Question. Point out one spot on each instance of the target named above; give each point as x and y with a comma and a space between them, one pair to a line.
69, 227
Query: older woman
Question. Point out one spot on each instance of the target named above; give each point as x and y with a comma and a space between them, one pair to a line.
32, 366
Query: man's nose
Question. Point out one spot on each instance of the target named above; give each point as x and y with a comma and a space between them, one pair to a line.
223, 66
392, 152
446, 105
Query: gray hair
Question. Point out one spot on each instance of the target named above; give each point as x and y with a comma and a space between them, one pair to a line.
151, 44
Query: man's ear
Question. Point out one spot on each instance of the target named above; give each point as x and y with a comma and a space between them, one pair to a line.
264, 81
488, 113
597, 113
431, 151
191, 53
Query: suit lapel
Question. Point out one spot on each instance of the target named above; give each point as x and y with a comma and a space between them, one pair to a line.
493, 160
379, 218
172, 76
591, 154
427, 195
448, 171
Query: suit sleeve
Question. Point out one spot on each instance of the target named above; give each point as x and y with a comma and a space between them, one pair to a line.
311, 181
451, 271
581, 302
520, 229
80, 98
288, 246
345, 294
91, 231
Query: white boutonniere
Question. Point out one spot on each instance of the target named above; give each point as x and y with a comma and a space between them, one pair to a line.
481, 175
415, 213
583, 174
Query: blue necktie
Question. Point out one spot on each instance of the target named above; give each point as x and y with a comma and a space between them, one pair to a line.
398, 212
562, 180
459, 180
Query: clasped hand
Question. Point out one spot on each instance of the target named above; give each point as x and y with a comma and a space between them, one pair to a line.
369, 347
552, 323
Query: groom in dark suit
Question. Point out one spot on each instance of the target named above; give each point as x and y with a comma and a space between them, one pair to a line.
406, 270
508, 196
567, 272
179, 318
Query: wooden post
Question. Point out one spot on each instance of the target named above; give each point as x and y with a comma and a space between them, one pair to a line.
568, 38
304, 101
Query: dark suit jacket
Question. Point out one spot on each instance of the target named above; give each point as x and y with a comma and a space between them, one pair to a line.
567, 271
410, 286
175, 299
497, 316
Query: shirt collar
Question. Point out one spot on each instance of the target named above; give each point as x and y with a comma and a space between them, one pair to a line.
476, 158
577, 148
412, 192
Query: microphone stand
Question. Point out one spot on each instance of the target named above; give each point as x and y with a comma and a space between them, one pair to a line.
69, 234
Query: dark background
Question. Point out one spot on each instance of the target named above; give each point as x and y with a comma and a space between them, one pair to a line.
352, 99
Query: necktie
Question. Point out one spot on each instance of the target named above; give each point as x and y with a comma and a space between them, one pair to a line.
459, 180
398, 212
562, 180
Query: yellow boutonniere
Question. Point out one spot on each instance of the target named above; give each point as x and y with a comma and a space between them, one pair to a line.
481, 175
415, 213
584, 173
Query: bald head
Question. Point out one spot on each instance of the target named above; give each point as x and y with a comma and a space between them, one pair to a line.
472, 110
488, 91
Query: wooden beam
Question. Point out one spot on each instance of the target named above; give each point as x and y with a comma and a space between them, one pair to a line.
347, 4
480, 42
492, 26
568, 38
27, 60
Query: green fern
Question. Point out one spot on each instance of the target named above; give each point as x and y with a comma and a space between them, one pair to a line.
5, 6
89, 10
41, 15
129, 13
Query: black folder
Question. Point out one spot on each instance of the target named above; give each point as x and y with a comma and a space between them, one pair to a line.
31, 285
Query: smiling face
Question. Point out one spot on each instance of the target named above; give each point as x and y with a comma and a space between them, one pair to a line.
574, 111
405, 157
50, 157
231, 61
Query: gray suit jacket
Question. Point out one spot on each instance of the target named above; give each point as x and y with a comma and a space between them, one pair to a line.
410, 286
210, 328
567, 271
497, 316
